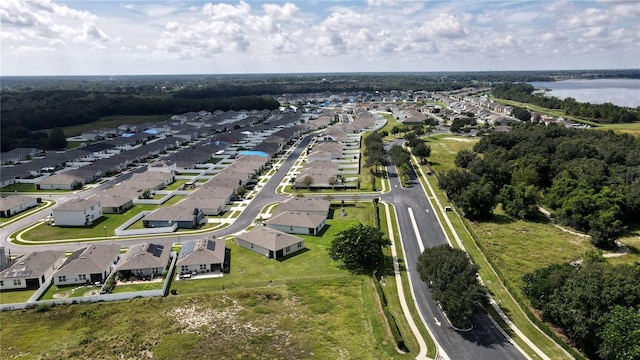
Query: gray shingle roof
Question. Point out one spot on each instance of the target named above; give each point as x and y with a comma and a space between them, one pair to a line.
92, 259
202, 251
78, 204
144, 256
34, 264
296, 218
268, 238
12, 201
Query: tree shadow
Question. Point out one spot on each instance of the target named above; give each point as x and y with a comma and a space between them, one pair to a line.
484, 333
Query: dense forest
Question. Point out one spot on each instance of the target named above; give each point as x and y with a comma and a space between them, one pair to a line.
597, 305
589, 179
602, 113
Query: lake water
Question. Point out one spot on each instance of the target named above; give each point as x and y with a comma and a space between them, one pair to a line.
622, 92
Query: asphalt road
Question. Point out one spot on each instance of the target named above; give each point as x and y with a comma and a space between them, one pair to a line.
485, 340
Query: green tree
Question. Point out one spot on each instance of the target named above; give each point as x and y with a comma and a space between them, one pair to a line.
621, 335
399, 155
452, 278
307, 181
477, 201
359, 248
465, 157
520, 201
421, 150
56, 139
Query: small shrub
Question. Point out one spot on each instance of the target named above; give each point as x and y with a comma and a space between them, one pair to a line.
43, 308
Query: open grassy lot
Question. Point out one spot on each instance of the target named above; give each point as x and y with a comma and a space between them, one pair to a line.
112, 121
444, 148
303, 307
633, 128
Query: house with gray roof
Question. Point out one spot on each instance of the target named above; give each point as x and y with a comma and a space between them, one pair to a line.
77, 212
269, 242
297, 222
185, 216
31, 271
89, 265
61, 182
202, 256
142, 260
18, 154
113, 202
312, 205
208, 205
14, 204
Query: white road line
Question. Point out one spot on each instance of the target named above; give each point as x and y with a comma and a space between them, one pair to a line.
415, 230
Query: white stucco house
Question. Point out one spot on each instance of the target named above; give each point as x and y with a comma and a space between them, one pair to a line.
77, 212
14, 204
30, 271
88, 265
202, 256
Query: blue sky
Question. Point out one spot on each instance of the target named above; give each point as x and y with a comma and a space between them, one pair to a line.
100, 37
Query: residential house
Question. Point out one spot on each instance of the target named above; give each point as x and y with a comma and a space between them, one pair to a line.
202, 256
296, 222
185, 217
17, 155
14, 204
269, 242
61, 182
208, 205
144, 260
77, 212
311, 205
89, 265
31, 271
114, 203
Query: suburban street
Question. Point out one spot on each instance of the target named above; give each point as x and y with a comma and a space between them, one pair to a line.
485, 340
419, 229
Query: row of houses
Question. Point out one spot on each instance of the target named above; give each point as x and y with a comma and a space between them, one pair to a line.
95, 263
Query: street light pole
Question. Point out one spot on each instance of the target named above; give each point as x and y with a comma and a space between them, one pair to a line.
105, 232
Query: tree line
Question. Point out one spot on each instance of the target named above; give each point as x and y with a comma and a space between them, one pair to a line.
602, 113
597, 305
589, 179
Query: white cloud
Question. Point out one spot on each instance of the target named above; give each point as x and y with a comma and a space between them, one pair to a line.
443, 26
285, 12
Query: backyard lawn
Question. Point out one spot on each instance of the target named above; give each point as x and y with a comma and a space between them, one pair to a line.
15, 296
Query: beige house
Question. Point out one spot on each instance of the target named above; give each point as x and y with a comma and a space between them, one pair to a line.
296, 222
271, 243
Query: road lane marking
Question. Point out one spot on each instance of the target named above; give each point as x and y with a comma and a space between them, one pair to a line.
415, 230
435, 319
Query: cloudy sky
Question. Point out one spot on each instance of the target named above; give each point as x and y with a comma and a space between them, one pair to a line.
110, 37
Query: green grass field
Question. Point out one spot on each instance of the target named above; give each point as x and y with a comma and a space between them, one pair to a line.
15, 296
